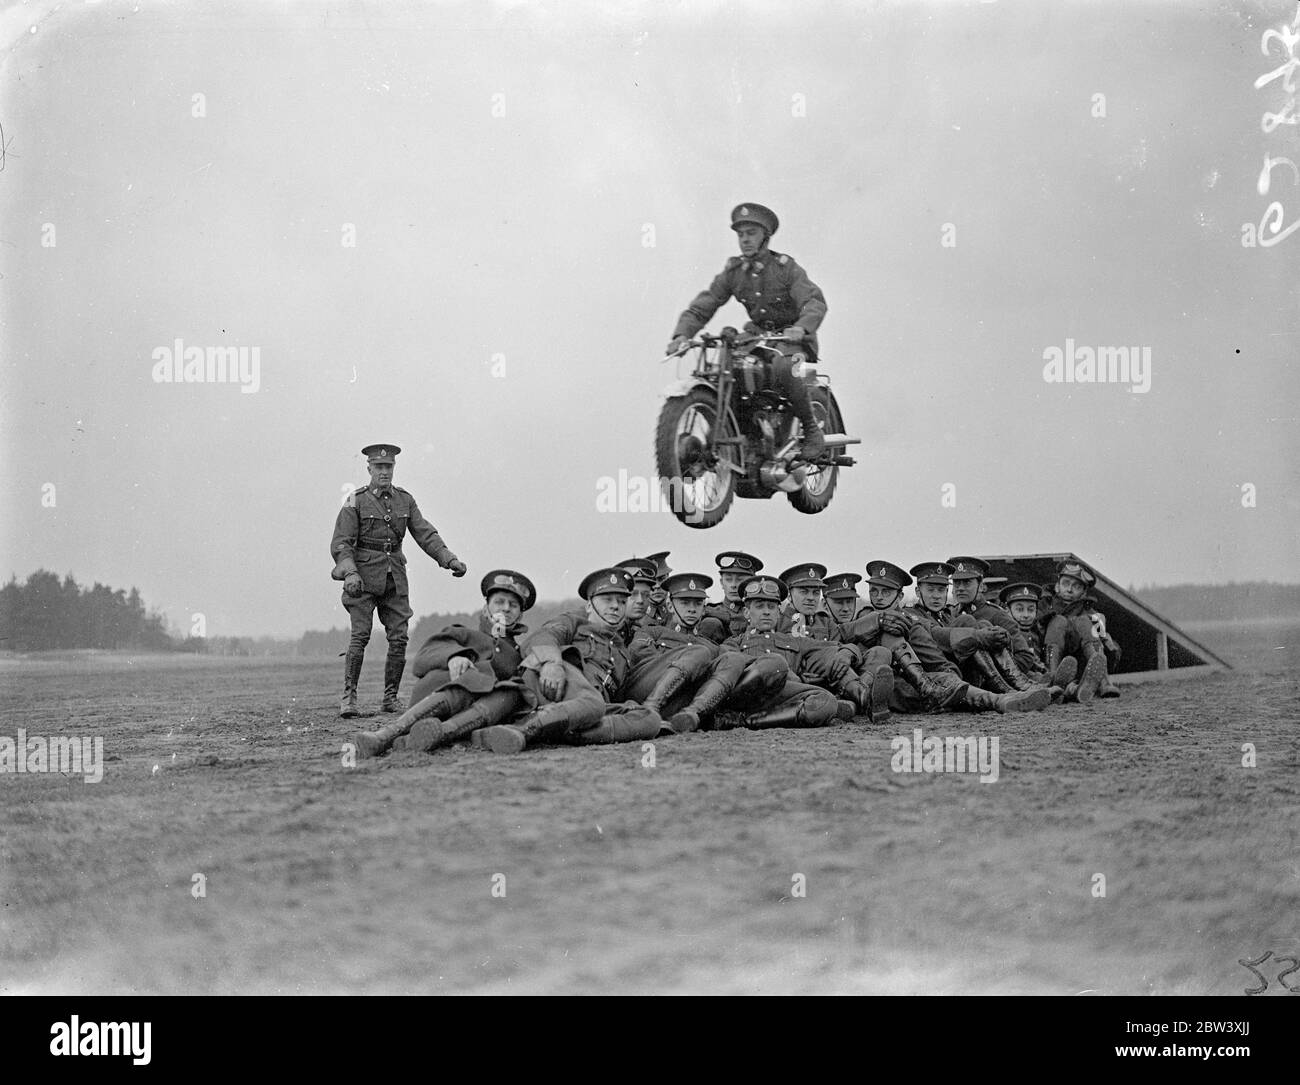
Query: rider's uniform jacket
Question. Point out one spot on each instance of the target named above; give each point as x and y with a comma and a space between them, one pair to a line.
598, 650
775, 291
723, 620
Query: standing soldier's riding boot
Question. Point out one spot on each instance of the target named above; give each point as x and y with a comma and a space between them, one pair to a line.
982, 700
1010, 669
989, 672
548, 722
351, 675
394, 666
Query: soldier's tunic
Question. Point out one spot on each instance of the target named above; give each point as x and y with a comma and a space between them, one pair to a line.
368, 534
951, 632
723, 620
800, 655
817, 626
1001, 618
597, 663
775, 291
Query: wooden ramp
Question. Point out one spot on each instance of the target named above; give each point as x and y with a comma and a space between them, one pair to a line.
1153, 647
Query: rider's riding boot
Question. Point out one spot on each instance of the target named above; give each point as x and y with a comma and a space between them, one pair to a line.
706, 701
988, 670
393, 668
351, 675
982, 700
1010, 669
814, 442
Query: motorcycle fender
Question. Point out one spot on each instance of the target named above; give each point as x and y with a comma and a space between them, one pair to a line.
681, 387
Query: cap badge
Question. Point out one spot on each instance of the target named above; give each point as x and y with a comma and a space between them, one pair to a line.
744, 210
690, 585
613, 579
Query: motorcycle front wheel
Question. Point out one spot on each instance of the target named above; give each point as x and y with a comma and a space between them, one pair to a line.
698, 485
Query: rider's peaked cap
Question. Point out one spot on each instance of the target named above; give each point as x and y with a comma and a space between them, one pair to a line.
754, 214
606, 582
515, 583
842, 585
763, 587
688, 585
737, 561
964, 568
885, 574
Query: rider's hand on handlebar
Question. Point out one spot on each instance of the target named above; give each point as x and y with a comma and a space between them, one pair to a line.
794, 333
677, 344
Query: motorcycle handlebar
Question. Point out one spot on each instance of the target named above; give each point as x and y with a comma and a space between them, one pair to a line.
735, 341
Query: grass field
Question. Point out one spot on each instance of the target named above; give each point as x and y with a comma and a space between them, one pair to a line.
620, 877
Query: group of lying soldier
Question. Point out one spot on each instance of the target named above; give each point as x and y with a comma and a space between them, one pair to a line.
651, 656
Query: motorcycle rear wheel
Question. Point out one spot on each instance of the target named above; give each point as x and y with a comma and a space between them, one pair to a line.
699, 489
819, 485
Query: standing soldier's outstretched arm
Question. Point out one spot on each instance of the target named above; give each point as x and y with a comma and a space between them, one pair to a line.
428, 539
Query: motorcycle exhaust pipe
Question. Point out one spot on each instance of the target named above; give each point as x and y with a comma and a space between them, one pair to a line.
776, 476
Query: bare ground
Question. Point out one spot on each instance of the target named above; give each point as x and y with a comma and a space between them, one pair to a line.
624, 878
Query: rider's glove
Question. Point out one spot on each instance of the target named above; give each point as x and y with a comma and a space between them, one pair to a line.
795, 334
677, 343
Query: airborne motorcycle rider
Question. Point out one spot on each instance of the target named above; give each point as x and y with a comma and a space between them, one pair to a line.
779, 297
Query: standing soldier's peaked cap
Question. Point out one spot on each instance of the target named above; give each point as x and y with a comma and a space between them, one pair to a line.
606, 582
1078, 570
842, 585
1022, 592
932, 572
737, 561
515, 583
688, 585
763, 587
885, 574
810, 574
964, 568
380, 453
754, 214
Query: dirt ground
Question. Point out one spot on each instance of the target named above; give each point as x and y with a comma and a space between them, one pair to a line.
620, 877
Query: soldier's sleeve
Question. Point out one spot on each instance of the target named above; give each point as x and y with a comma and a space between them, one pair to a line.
706, 303
808, 296
347, 525
710, 628
548, 643
863, 631
436, 652
426, 535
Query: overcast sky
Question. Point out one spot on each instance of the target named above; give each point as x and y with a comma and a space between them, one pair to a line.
521, 238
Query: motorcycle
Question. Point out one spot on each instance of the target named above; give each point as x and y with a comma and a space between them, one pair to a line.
726, 431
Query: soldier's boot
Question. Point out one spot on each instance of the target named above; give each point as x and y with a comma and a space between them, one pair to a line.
1104, 688
1094, 671
1016, 678
549, 721
991, 677
413, 728
669, 685
482, 714
351, 675
1034, 700
393, 670
707, 698
621, 727
941, 689
813, 442
1065, 672
878, 678
815, 710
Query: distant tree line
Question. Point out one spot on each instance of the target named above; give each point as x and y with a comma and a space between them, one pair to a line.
1228, 602
46, 612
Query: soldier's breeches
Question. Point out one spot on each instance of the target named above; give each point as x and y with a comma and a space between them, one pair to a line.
762, 680
394, 612
619, 723
693, 660
1068, 635
581, 706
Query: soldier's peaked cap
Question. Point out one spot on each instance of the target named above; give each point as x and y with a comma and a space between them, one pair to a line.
964, 568
661, 563
754, 214
380, 453
932, 572
738, 561
842, 585
606, 582
688, 585
809, 574
1021, 592
1078, 570
515, 583
643, 570
763, 587
885, 574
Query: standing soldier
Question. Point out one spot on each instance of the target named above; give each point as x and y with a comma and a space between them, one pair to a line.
779, 297
796, 704
967, 642
466, 675
727, 618
367, 551
576, 667
1068, 630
